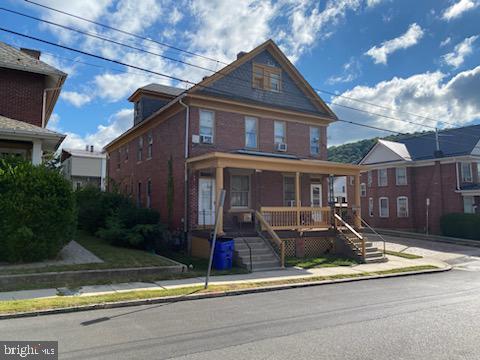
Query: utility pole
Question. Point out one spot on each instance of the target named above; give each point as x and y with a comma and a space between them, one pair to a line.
215, 230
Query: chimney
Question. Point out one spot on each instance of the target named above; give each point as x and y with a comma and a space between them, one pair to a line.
30, 52
91, 148
240, 54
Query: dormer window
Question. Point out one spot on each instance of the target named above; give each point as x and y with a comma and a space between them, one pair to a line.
267, 78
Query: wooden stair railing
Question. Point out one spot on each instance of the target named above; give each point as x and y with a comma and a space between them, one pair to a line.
274, 238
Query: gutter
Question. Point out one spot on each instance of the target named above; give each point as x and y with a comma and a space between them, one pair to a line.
185, 171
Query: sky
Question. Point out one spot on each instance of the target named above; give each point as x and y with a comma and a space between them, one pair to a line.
417, 59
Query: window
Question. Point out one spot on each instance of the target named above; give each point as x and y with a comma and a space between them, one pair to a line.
240, 191
150, 145
139, 194
401, 176
119, 158
267, 78
382, 177
126, 152
279, 132
149, 193
383, 207
370, 207
466, 172
314, 140
478, 172
251, 132
369, 178
137, 111
140, 148
78, 185
289, 190
363, 190
352, 180
206, 126
469, 205
402, 207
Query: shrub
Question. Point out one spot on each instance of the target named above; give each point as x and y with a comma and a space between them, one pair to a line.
465, 226
37, 212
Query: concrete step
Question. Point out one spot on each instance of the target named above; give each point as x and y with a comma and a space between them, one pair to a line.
264, 265
373, 254
378, 259
249, 240
371, 249
246, 252
255, 257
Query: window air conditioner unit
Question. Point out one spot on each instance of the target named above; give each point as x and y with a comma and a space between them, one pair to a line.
206, 139
281, 147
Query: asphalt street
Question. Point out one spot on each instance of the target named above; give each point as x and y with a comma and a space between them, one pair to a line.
434, 316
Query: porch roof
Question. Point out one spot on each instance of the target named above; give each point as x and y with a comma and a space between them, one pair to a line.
270, 163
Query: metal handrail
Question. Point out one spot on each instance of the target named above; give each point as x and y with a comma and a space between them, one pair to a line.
354, 232
376, 233
273, 235
250, 253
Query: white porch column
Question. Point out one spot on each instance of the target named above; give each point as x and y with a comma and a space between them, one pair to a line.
37, 152
218, 189
358, 206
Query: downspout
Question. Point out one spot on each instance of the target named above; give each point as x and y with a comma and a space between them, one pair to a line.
185, 174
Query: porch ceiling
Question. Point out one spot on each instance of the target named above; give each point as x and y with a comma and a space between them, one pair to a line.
242, 161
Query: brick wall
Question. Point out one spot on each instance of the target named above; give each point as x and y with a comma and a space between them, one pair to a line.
21, 95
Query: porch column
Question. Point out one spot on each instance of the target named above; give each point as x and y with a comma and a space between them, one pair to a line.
298, 200
357, 205
218, 189
37, 152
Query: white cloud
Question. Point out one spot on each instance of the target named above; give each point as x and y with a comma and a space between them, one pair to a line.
461, 50
351, 70
458, 9
75, 98
428, 94
445, 42
133, 15
411, 37
175, 16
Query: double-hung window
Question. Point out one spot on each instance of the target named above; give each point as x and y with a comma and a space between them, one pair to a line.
402, 207
279, 132
314, 140
466, 172
370, 207
207, 120
468, 204
140, 148
401, 175
369, 178
150, 145
289, 190
383, 207
382, 177
126, 152
251, 136
240, 191
149, 193
363, 190
267, 77
139, 194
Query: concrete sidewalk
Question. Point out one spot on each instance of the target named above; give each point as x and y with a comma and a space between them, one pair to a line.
266, 276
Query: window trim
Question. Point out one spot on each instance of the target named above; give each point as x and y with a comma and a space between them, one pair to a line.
380, 207
462, 174
284, 126
266, 71
249, 191
256, 131
363, 190
149, 193
406, 205
473, 203
200, 126
379, 171
371, 207
310, 140
396, 176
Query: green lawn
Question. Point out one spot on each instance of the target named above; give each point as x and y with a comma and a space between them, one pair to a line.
322, 261
403, 255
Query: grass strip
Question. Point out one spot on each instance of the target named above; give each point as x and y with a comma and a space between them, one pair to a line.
15, 306
403, 255
320, 262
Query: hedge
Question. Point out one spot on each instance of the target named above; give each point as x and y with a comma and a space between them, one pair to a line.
37, 212
466, 226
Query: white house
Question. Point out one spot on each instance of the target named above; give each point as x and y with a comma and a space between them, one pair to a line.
84, 167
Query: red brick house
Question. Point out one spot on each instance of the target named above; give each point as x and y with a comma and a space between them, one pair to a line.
29, 90
410, 184
255, 128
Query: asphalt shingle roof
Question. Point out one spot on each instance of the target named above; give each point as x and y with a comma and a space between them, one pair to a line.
12, 125
453, 142
13, 58
164, 89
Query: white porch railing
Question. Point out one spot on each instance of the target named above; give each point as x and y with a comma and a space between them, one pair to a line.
297, 218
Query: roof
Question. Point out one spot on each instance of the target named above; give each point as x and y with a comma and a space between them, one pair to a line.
13, 58
84, 153
398, 148
453, 142
20, 127
159, 89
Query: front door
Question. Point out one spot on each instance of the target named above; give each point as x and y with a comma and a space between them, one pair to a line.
206, 201
316, 201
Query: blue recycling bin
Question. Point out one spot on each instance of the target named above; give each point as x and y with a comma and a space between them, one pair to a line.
223, 253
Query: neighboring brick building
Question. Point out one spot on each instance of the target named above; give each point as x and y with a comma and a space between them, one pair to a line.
29, 89
404, 174
255, 128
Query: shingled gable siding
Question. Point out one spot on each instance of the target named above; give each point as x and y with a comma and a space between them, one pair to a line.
238, 85
168, 139
229, 135
437, 182
21, 95
148, 106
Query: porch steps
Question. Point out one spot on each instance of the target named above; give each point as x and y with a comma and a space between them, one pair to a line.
263, 256
372, 254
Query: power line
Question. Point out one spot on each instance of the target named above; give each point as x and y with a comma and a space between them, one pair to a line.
124, 32
179, 79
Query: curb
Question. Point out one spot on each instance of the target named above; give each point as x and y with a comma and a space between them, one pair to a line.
173, 299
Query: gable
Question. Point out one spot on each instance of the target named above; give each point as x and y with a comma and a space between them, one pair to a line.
235, 82
380, 154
